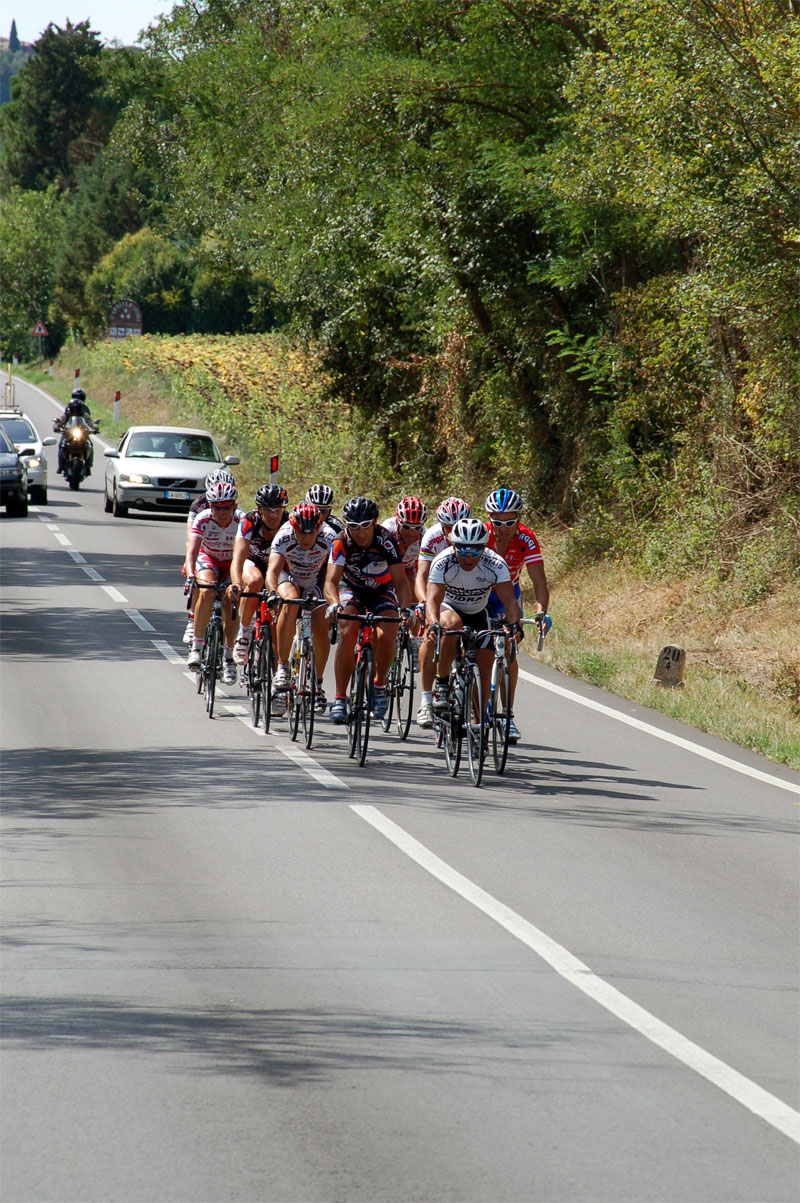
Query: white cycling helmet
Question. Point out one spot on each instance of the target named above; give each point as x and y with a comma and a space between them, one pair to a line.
500, 501
470, 532
451, 510
218, 474
221, 491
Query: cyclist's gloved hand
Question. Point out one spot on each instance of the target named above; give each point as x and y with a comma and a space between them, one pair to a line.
545, 622
273, 597
332, 611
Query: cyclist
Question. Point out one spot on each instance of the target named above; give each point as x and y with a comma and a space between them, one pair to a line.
407, 526
208, 558
435, 540
200, 503
299, 551
519, 547
322, 497
365, 574
460, 581
254, 538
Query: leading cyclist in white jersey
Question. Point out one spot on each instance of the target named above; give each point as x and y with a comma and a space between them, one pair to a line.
459, 583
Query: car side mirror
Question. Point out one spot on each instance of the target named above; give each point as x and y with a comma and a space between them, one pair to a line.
50, 441
27, 451
231, 459
111, 453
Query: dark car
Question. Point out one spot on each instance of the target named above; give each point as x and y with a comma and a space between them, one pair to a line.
13, 479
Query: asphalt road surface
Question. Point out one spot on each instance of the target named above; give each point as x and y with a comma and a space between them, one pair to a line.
233, 970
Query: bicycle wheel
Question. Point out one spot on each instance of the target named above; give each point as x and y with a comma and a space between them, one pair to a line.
354, 714
473, 723
404, 687
295, 690
212, 655
500, 714
391, 686
252, 677
453, 730
308, 677
367, 667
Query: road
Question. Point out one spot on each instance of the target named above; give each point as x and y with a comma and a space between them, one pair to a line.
232, 971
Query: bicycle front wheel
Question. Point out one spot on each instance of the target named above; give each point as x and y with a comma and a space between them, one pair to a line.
295, 698
404, 687
308, 691
212, 656
453, 729
473, 723
391, 686
362, 712
252, 674
500, 714
265, 675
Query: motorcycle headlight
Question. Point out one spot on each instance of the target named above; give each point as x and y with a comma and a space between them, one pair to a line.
134, 479
77, 434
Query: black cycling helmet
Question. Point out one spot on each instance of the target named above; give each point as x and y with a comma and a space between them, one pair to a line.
78, 394
271, 496
360, 509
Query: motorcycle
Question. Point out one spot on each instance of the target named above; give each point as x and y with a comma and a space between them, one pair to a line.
77, 451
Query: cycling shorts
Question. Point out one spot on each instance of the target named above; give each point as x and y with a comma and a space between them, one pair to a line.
313, 590
258, 563
220, 568
495, 606
369, 601
473, 622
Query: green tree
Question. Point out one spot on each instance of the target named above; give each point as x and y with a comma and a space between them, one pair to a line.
28, 223
147, 268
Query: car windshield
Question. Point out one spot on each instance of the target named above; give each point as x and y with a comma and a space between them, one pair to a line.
157, 445
6, 446
19, 430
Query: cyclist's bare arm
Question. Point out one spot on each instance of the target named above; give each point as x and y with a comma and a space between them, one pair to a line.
192, 550
540, 588
401, 586
421, 583
241, 547
332, 579
433, 605
277, 564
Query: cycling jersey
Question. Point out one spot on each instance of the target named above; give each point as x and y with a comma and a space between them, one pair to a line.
434, 541
411, 553
523, 549
217, 541
253, 530
304, 565
366, 568
468, 591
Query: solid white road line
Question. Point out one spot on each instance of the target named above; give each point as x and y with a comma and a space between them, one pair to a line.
763, 1104
649, 729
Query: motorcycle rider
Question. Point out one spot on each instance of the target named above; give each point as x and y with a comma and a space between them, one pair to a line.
76, 408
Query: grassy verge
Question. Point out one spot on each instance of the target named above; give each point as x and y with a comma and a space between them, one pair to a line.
260, 397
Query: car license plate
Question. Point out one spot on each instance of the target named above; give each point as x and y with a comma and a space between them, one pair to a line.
177, 495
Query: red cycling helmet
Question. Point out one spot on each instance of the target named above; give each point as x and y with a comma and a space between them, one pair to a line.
452, 510
305, 517
411, 511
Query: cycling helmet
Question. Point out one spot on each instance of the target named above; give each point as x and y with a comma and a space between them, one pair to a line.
500, 501
218, 474
78, 394
360, 509
411, 510
221, 491
470, 532
271, 496
320, 495
451, 510
305, 517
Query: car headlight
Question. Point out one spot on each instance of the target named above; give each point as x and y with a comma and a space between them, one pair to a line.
35, 461
10, 474
134, 479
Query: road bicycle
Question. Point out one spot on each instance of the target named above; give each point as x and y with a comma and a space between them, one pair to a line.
400, 681
361, 699
462, 718
302, 670
498, 704
210, 669
260, 664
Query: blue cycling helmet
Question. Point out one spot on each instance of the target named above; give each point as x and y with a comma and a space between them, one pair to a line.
500, 501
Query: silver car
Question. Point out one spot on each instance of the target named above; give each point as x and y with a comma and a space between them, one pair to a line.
23, 434
160, 468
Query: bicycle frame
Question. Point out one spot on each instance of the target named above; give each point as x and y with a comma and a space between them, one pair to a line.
362, 684
257, 672
211, 663
303, 680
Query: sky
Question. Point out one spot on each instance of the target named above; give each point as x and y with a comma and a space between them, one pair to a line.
118, 20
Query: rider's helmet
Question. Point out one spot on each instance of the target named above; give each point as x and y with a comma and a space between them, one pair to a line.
320, 495
221, 491
218, 474
360, 509
271, 496
470, 532
78, 395
501, 501
411, 511
451, 510
305, 517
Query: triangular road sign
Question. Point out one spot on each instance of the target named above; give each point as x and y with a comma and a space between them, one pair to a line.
40, 329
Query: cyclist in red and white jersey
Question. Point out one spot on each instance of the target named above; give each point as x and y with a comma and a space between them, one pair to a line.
435, 540
208, 559
199, 503
460, 581
300, 552
364, 575
519, 547
251, 549
407, 527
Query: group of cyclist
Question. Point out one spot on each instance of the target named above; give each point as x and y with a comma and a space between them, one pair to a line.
459, 573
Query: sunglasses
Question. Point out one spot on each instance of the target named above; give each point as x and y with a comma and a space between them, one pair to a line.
359, 525
222, 505
461, 550
412, 525
504, 521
